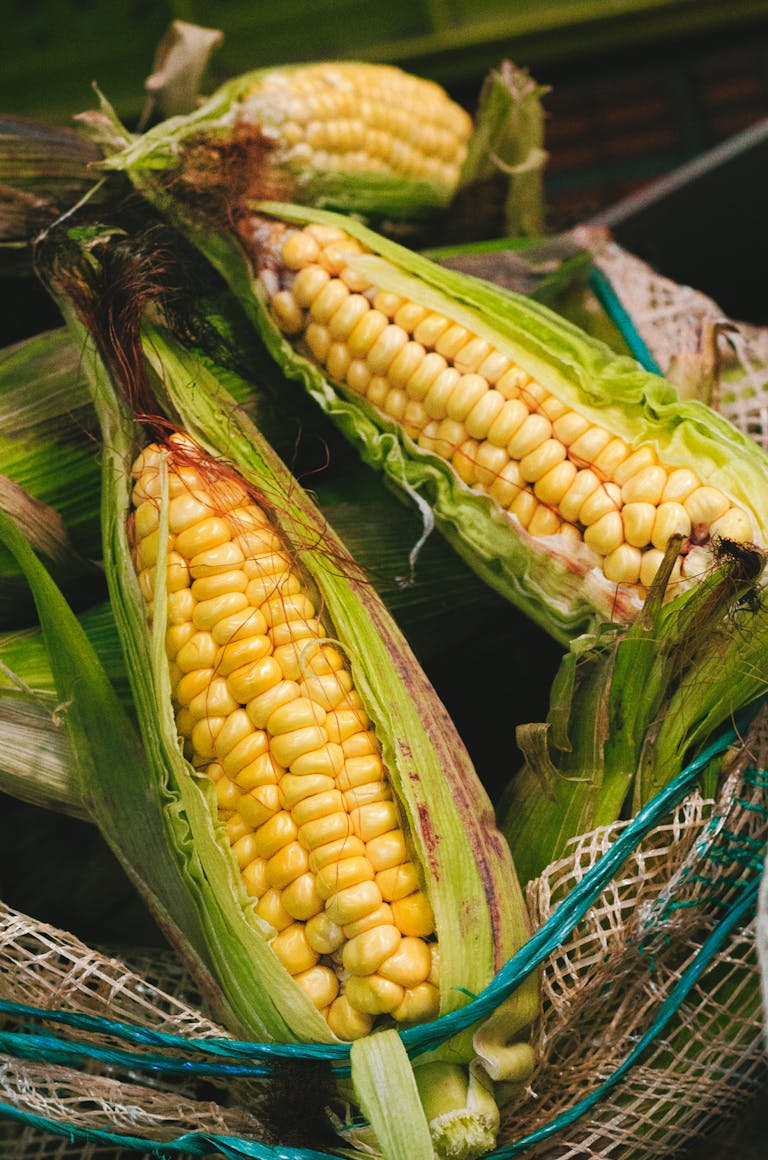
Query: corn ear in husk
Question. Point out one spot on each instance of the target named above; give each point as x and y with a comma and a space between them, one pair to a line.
522, 543
464, 866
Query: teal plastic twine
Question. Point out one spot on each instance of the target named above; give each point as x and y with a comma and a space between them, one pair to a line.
601, 287
259, 1059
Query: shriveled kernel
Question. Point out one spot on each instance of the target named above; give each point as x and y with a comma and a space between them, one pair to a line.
706, 504
696, 563
622, 565
354, 903
373, 994
530, 435
413, 915
293, 950
670, 519
323, 935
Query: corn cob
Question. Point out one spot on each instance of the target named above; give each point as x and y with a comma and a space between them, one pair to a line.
268, 710
334, 133
579, 454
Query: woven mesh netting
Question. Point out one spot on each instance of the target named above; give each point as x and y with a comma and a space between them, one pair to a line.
603, 990
606, 984
690, 338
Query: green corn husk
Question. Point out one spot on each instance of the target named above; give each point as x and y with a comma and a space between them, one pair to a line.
49, 469
432, 778
630, 706
553, 580
505, 160
44, 170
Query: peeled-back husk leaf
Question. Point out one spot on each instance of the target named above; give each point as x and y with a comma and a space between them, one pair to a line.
556, 583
